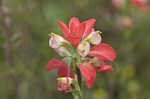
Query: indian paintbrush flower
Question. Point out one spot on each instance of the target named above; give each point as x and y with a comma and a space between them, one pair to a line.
82, 52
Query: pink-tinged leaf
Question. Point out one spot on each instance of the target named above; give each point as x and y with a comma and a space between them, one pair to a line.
89, 74
52, 64
103, 51
89, 26
64, 29
73, 24
104, 68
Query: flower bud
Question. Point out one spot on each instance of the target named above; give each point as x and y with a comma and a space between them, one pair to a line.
56, 41
63, 80
62, 51
94, 37
83, 48
96, 62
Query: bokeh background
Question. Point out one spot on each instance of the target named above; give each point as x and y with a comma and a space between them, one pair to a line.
24, 49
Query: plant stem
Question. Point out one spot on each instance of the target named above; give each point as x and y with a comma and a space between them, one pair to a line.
77, 92
77, 83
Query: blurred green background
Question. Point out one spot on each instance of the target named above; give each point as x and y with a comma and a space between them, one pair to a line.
24, 49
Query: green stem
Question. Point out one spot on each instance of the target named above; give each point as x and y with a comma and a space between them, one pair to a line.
77, 82
76, 96
77, 92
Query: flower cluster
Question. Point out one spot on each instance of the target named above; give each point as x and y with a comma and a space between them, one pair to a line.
81, 49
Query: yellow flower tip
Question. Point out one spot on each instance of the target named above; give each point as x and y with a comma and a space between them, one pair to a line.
52, 34
60, 79
98, 32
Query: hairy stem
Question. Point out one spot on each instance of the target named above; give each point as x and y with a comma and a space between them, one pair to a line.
77, 83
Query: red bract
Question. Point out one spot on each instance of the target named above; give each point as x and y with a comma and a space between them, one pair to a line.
76, 30
89, 71
89, 74
63, 69
89, 26
104, 68
103, 51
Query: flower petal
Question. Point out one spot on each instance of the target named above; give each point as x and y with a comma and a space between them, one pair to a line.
89, 25
103, 51
104, 68
76, 31
64, 29
63, 69
73, 24
81, 29
89, 74
75, 37
52, 64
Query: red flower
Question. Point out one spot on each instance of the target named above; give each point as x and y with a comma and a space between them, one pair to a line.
76, 30
88, 66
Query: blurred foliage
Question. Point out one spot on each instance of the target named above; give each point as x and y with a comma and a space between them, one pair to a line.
30, 22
